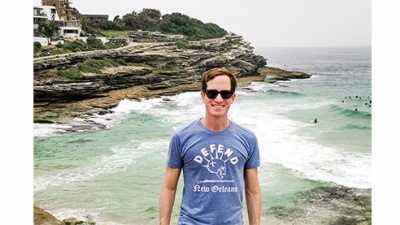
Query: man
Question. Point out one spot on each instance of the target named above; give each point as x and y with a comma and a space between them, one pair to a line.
219, 159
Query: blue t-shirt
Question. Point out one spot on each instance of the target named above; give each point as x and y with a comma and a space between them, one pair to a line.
213, 166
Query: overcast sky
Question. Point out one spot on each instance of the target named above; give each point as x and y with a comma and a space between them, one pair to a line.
264, 23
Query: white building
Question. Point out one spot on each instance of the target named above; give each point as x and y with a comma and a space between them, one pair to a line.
68, 28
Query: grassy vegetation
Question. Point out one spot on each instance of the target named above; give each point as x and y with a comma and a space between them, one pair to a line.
182, 44
92, 43
153, 20
146, 20
89, 66
115, 33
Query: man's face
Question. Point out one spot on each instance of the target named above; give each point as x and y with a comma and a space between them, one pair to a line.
218, 107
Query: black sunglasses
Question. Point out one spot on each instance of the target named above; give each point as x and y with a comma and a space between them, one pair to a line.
225, 94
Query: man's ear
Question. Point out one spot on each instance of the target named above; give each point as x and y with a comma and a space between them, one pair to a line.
202, 94
233, 97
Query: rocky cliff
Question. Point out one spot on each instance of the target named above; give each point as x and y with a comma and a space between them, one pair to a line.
151, 62
156, 63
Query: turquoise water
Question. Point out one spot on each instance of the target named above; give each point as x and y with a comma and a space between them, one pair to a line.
113, 175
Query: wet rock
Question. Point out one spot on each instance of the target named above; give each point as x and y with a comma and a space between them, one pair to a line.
337, 205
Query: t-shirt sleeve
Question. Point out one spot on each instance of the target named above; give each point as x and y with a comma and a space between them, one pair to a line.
254, 160
174, 158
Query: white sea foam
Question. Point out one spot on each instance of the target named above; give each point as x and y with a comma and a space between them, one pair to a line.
316, 162
106, 164
45, 130
280, 144
277, 138
80, 214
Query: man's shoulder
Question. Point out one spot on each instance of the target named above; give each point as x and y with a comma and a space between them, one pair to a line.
241, 127
187, 127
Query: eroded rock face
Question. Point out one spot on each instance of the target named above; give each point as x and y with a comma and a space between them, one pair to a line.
42, 217
155, 68
157, 56
336, 205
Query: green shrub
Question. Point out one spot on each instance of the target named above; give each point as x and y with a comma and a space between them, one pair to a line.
182, 44
75, 46
93, 43
71, 73
121, 62
36, 47
57, 51
110, 45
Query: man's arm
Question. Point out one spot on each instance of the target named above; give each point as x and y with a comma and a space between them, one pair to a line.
253, 196
167, 194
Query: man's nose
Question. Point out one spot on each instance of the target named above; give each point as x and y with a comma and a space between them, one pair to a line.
219, 98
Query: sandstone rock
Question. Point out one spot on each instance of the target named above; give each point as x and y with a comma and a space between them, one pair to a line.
42, 217
168, 70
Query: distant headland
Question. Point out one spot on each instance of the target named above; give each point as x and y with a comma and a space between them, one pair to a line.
152, 66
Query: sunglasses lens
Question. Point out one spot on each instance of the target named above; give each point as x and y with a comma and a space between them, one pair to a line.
226, 94
211, 94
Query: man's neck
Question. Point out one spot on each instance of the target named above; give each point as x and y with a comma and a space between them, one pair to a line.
215, 124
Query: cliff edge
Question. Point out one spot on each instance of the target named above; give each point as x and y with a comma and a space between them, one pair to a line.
156, 66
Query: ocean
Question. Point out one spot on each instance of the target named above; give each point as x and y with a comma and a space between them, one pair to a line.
113, 175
